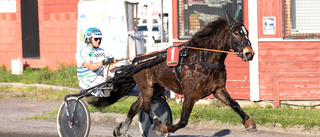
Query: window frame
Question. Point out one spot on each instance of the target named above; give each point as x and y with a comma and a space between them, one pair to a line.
184, 19
288, 32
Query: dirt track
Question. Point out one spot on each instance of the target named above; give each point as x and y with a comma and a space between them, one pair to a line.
14, 111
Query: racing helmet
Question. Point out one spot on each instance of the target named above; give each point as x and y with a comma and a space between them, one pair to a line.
92, 32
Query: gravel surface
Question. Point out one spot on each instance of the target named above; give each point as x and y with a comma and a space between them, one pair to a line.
13, 123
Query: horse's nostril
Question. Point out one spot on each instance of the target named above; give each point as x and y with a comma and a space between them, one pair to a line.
249, 55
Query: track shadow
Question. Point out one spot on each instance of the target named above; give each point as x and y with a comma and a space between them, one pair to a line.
220, 133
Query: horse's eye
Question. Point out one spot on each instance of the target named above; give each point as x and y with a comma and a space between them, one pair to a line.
236, 33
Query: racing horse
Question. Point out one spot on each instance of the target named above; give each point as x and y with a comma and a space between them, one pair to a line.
202, 73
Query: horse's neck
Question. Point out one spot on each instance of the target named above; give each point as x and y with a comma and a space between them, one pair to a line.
215, 58
221, 44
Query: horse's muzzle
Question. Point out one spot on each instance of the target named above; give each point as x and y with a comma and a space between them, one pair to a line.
247, 54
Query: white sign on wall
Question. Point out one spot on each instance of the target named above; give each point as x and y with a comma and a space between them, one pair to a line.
269, 25
8, 6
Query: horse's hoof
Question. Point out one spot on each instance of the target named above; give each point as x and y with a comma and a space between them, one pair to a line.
116, 131
252, 129
250, 125
157, 127
159, 133
164, 127
157, 124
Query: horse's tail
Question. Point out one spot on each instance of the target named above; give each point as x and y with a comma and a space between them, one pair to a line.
121, 86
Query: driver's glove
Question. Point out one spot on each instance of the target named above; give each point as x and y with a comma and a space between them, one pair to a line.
107, 61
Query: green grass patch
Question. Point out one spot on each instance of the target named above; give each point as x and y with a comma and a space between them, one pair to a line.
285, 116
34, 93
44, 116
122, 106
62, 76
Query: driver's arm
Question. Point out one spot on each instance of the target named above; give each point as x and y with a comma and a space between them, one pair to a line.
92, 66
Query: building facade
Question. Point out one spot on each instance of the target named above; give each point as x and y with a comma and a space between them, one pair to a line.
284, 35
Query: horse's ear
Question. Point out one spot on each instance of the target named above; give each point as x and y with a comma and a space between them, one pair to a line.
229, 18
240, 16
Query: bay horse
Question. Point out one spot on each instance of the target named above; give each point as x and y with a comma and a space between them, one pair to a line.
196, 80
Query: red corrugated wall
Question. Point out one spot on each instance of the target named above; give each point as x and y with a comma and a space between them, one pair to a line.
294, 62
57, 32
10, 38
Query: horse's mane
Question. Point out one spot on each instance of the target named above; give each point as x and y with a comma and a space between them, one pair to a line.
200, 39
203, 35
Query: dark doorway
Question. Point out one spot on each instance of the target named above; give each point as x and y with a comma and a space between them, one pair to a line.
30, 29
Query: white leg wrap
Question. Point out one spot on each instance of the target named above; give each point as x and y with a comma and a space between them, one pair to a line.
125, 126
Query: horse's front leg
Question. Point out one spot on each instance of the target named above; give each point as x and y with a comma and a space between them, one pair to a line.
124, 126
186, 110
222, 95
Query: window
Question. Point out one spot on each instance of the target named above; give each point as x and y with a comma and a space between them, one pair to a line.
195, 14
155, 21
301, 19
145, 28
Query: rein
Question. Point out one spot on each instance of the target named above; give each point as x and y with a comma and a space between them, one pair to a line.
221, 67
148, 59
187, 47
182, 47
214, 50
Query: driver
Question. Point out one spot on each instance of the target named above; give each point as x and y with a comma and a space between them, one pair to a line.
91, 61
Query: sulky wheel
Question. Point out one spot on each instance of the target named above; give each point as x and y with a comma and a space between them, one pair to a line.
160, 108
77, 124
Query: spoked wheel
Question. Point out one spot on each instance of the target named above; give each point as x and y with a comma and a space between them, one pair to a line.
77, 122
160, 108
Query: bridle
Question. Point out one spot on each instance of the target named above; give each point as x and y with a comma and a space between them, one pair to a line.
234, 45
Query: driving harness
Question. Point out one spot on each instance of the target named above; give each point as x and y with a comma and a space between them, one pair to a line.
177, 70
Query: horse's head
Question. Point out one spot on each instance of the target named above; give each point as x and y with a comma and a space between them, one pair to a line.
239, 38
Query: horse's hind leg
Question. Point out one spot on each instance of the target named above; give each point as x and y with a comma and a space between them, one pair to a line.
124, 126
154, 91
188, 104
222, 95
149, 91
